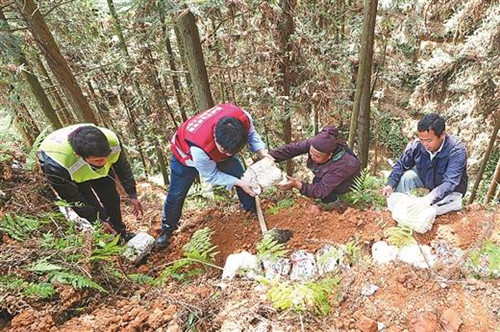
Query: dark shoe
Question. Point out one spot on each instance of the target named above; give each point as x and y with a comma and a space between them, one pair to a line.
163, 240
127, 237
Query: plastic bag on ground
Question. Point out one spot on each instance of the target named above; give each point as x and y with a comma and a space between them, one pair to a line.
420, 221
279, 267
303, 265
383, 253
241, 262
418, 256
328, 258
139, 246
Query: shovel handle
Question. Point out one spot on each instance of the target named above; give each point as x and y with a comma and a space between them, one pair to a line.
260, 216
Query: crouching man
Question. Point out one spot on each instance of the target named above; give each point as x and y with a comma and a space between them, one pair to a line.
334, 166
436, 161
80, 163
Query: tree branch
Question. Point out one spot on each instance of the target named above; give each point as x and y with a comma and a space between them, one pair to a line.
61, 3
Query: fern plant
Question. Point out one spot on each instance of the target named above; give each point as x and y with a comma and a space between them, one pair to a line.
199, 250
283, 204
400, 236
485, 262
12, 283
43, 290
62, 275
106, 249
19, 227
301, 297
366, 191
269, 248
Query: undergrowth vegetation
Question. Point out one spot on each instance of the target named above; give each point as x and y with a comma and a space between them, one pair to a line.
365, 192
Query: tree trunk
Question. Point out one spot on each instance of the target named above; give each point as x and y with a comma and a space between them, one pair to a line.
493, 185
185, 67
118, 29
33, 82
102, 110
158, 90
62, 110
484, 162
363, 80
25, 124
188, 31
45, 41
286, 28
171, 63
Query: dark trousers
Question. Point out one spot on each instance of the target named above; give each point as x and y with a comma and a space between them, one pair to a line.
181, 179
103, 196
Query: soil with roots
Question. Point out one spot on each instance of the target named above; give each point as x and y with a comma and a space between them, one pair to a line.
407, 299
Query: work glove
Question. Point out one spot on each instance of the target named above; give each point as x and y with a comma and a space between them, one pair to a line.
419, 204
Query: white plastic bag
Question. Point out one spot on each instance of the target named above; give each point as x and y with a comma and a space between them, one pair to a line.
420, 221
139, 246
280, 267
303, 265
241, 262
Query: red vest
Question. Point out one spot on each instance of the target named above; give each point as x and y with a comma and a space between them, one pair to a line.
199, 131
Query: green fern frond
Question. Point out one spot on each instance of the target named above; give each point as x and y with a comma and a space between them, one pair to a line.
42, 290
283, 204
300, 297
141, 278
200, 247
269, 248
76, 281
352, 252
365, 191
42, 266
19, 227
199, 250
400, 236
107, 250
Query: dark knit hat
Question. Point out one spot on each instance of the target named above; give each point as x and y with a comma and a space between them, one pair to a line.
327, 139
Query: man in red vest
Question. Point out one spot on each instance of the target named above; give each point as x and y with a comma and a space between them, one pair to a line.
206, 144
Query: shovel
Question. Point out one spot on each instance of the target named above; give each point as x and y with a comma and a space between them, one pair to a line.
279, 235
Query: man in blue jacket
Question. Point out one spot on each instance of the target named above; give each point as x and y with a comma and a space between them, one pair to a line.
435, 160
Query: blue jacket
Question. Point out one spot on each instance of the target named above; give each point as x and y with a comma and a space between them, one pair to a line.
446, 173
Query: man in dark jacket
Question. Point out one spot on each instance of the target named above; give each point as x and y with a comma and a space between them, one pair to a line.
334, 165
435, 160
80, 163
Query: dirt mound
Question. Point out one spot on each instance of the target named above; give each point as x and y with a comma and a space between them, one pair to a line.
406, 298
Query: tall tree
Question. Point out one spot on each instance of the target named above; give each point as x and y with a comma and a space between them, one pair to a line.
495, 180
190, 37
33, 82
64, 114
36, 24
484, 162
361, 108
286, 29
171, 60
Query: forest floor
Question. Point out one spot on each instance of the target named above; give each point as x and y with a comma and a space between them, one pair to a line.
407, 298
